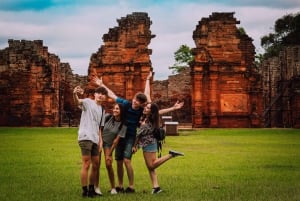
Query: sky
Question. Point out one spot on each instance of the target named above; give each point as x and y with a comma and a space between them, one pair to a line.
73, 29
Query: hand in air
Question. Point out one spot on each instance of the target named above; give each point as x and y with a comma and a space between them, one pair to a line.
98, 81
178, 105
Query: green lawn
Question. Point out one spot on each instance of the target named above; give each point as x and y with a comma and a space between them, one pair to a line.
219, 165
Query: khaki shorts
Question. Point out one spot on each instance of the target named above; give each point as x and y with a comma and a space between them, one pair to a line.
88, 148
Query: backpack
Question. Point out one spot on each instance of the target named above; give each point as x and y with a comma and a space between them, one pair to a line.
160, 135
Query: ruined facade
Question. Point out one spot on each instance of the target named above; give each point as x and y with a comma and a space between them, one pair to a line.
281, 89
226, 87
35, 87
176, 88
221, 88
124, 59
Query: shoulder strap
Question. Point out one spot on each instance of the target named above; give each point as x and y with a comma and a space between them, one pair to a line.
101, 116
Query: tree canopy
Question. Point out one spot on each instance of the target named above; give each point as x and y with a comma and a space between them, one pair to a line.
286, 32
183, 56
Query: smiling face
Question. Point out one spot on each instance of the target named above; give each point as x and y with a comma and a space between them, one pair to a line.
116, 110
147, 109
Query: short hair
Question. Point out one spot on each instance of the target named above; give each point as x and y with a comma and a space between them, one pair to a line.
101, 90
141, 97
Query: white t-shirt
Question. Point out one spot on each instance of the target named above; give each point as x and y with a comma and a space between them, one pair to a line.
90, 121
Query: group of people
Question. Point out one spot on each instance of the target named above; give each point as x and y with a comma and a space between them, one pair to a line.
129, 127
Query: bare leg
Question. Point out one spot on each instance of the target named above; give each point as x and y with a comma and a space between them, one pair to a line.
130, 173
120, 171
86, 160
94, 176
109, 168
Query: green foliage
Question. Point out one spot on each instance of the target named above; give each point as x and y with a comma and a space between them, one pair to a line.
183, 56
242, 31
287, 32
39, 164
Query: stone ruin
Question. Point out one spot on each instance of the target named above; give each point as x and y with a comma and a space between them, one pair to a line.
226, 88
123, 61
281, 89
35, 87
221, 88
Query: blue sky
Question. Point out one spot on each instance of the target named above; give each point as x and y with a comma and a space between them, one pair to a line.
73, 29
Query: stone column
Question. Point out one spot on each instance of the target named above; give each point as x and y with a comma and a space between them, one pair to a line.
213, 103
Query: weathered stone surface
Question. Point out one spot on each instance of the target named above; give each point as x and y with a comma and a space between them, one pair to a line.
281, 89
35, 87
124, 59
177, 88
225, 86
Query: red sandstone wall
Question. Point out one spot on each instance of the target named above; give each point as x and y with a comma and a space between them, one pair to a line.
124, 59
226, 88
34, 85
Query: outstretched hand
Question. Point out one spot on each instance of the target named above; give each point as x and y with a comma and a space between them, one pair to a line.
178, 105
78, 89
98, 81
150, 75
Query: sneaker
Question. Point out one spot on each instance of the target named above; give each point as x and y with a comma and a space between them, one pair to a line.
91, 194
156, 190
113, 191
98, 192
120, 189
175, 153
85, 194
129, 190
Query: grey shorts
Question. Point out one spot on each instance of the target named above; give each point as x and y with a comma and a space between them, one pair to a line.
88, 148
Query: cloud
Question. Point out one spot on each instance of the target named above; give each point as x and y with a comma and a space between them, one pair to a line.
73, 30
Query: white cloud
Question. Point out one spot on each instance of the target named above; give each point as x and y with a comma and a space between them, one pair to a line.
75, 32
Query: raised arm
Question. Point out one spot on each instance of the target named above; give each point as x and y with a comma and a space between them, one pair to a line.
147, 88
100, 83
77, 90
176, 106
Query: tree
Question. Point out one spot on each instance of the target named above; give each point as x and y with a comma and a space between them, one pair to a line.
287, 32
183, 56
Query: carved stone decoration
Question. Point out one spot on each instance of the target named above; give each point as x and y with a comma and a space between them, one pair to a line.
226, 89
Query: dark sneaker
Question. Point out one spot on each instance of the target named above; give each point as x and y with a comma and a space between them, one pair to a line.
175, 153
156, 190
92, 193
85, 194
120, 189
129, 190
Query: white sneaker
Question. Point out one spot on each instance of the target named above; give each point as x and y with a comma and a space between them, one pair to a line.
97, 190
113, 191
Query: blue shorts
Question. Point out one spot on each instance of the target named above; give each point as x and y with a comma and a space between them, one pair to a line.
124, 148
150, 148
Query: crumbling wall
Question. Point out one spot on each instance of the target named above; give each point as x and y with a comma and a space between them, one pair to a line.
124, 59
281, 89
34, 85
226, 90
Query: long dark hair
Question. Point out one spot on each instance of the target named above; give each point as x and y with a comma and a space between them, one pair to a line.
154, 115
122, 114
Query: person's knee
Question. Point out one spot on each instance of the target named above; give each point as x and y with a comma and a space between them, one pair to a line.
127, 161
108, 164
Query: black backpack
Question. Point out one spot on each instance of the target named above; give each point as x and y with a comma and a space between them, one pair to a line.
160, 135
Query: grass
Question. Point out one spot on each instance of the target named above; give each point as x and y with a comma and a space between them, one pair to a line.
219, 165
